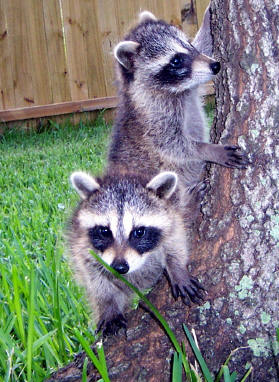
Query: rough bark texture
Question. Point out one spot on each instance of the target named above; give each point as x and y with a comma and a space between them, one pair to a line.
239, 232
236, 249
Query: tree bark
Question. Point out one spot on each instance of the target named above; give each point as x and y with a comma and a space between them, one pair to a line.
239, 231
236, 247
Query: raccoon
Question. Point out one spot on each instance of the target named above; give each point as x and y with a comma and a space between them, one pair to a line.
160, 123
132, 222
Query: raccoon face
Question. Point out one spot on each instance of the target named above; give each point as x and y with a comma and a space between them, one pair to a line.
159, 56
124, 220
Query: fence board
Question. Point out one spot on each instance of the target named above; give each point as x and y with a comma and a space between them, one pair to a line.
172, 12
7, 94
75, 48
57, 109
56, 53
38, 52
93, 51
201, 6
17, 22
108, 36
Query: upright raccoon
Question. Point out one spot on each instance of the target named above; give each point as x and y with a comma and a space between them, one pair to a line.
132, 222
160, 123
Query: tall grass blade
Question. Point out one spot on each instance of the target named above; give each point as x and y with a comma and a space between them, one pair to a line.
31, 320
153, 310
84, 370
56, 309
102, 358
9, 368
247, 374
91, 355
226, 372
198, 355
17, 305
177, 367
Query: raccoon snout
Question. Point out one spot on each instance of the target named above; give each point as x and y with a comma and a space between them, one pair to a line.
120, 266
215, 67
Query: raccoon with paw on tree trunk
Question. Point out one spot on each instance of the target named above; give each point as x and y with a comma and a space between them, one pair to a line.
160, 122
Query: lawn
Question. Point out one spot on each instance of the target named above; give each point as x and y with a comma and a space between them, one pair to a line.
40, 304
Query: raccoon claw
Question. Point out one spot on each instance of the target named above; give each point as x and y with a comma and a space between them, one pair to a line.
189, 292
200, 190
235, 157
113, 326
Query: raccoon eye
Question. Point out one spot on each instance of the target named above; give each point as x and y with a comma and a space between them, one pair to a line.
177, 62
101, 237
144, 239
104, 232
138, 232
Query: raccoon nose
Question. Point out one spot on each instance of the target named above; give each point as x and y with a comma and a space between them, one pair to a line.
120, 266
215, 67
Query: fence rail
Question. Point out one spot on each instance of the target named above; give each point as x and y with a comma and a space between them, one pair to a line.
56, 54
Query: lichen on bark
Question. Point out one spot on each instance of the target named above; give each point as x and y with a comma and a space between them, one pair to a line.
239, 232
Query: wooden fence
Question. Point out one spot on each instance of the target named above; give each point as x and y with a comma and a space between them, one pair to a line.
56, 55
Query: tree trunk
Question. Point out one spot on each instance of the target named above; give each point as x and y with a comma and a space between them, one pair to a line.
235, 251
239, 232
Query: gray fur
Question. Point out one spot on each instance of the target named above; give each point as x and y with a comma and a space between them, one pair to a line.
111, 203
160, 123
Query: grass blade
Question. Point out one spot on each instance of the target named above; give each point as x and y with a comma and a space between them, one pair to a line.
153, 310
198, 355
247, 374
177, 367
226, 372
17, 305
31, 320
56, 311
102, 358
84, 370
91, 355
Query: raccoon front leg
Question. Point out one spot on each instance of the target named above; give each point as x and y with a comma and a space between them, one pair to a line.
182, 282
226, 155
110, 311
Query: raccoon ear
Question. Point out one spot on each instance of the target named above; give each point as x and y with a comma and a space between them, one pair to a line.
84, 184
145, 16
203, 39
163, 184
124, 52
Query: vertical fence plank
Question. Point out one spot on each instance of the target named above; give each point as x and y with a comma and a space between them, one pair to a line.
93, 50
56, 52
172, 12
7, 95
201, 6
17, 22
37, 40
75, 48
108, 36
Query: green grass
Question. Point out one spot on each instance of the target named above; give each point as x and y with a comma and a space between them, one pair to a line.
41, 309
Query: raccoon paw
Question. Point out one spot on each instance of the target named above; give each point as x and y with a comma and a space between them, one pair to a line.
112, 326
234, 157
198, 192
190, 290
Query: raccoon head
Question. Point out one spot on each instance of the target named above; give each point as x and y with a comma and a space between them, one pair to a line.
125, 220
159, 56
